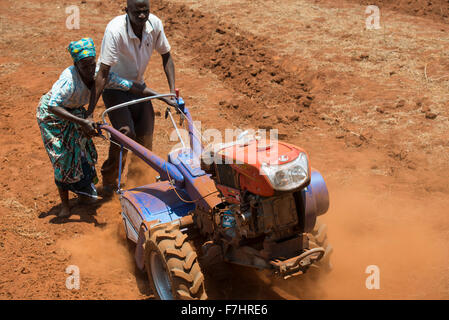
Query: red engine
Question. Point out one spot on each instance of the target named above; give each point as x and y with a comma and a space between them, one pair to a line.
260, 181
268, 206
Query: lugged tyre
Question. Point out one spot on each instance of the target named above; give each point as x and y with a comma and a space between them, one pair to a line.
172, 265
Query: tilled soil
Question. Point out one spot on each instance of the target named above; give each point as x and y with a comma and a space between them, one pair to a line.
370, 107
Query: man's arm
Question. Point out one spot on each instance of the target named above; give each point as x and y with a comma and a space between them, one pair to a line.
169, 68
141, 90
98, 87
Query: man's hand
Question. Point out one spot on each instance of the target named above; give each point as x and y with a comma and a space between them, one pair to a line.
171, 101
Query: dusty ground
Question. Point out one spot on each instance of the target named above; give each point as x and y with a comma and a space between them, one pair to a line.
370, 106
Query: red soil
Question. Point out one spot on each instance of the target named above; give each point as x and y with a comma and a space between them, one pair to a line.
388, 200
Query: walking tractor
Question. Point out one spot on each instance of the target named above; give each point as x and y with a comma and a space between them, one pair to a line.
252, 202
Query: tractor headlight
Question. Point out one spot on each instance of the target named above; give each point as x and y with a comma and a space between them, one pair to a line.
288, 176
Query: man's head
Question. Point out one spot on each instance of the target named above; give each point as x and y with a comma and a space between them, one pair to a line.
138, 12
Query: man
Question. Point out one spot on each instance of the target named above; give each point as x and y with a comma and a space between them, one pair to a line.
128, 43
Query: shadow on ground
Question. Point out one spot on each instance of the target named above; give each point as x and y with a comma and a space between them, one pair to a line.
86, 213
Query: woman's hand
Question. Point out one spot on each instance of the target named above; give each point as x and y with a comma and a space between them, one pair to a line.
88, 127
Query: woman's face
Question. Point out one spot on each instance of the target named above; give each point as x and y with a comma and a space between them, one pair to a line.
86, 68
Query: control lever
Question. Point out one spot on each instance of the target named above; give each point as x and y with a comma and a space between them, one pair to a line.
181, 106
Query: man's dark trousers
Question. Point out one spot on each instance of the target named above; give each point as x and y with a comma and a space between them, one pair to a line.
136, 121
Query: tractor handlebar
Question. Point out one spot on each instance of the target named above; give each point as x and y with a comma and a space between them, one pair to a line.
195, 135
129, 103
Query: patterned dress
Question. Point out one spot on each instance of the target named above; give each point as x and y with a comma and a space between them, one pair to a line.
72, 154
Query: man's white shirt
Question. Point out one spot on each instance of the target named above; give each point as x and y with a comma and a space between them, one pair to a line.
125, 53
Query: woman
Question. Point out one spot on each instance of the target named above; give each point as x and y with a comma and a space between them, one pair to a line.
66, 127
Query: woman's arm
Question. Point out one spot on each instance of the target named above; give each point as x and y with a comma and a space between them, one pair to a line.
100, 82
86, 125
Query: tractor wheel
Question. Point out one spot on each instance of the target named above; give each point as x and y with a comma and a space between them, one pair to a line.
172, 265
318, 238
